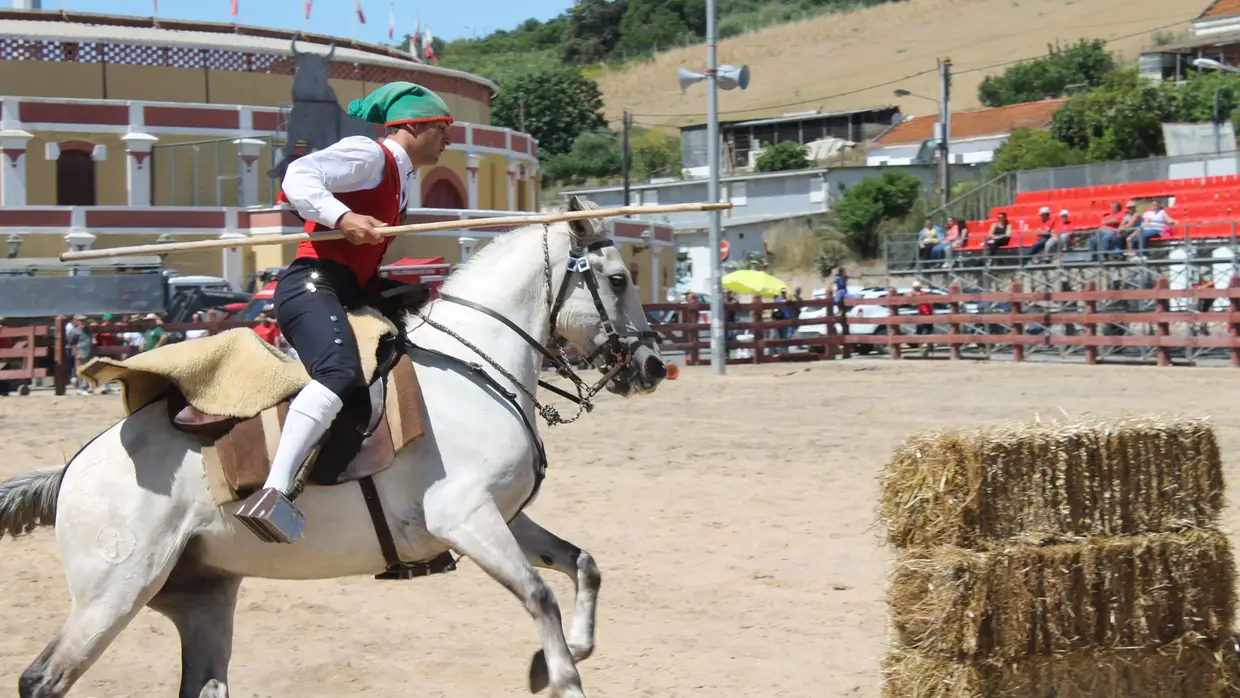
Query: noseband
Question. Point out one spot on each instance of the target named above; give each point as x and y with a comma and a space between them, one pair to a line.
615, 356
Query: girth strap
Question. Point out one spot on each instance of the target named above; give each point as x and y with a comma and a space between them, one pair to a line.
384, 532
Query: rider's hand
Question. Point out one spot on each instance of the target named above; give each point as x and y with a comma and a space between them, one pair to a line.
360, 230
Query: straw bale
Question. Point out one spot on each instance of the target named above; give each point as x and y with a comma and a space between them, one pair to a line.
1189, 670
1052, 482
1129, 591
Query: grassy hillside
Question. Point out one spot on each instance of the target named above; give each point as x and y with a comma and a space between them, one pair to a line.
841, 61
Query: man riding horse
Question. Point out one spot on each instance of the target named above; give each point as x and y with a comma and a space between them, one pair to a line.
355, 185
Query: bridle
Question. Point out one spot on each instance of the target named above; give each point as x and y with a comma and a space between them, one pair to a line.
613, 352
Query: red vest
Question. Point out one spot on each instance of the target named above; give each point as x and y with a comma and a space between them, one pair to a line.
382, 202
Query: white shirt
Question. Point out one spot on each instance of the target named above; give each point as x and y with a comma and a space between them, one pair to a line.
351, 164
1155, 219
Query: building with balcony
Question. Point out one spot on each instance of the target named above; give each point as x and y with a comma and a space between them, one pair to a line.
121, 130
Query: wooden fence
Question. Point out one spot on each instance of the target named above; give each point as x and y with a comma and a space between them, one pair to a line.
21, 348
1079, 328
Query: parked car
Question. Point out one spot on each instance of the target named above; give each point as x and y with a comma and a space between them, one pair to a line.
859, 313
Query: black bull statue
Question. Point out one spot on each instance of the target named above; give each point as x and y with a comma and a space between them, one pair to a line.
316, 118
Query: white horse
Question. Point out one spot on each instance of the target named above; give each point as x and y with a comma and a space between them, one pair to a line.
136, 525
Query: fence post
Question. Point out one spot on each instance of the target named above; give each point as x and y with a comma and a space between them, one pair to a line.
1091, 328
759, 335
831, 335
1233, 327
844, 327
893, 311
1018, 328
691, 317
1161, 328
953, 328
60, 369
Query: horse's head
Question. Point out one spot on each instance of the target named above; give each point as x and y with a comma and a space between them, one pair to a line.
598, 312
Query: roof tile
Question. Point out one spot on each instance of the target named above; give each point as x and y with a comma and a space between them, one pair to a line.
976, 123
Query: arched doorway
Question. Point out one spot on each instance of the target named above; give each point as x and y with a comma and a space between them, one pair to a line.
442, 188
75, 179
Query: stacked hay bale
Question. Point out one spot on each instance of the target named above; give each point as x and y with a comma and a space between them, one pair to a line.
1060, 560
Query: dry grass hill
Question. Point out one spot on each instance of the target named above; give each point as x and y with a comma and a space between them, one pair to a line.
855, 60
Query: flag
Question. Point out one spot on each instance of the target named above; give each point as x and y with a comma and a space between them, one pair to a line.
428, 51
308, 8
357, 5
391, 20
154, 7
234, 8
415, 38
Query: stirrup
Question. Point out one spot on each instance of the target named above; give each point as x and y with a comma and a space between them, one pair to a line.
271, 516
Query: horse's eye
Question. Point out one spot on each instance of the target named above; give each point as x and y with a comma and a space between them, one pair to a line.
618, 282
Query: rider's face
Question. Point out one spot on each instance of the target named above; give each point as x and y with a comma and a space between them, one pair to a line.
427, 142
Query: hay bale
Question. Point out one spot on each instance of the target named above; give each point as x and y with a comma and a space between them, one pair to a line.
1124, 592
1191, 670
1041, 483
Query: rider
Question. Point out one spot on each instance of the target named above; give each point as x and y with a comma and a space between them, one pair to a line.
355, 185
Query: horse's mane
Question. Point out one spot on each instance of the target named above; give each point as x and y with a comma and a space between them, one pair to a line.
581, 233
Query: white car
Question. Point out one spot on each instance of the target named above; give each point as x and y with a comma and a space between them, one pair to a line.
858, 313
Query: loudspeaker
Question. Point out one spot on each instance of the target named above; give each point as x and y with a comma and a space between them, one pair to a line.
730, 77
688, 77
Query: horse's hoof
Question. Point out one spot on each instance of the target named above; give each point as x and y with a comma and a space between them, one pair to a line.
214, 689
539, 678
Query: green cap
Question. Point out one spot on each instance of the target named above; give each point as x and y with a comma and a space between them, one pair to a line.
400, 103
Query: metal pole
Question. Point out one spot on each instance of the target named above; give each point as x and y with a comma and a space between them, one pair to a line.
945, 118
625, 158
718, 358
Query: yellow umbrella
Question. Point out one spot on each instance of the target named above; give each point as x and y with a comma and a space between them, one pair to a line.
754, 283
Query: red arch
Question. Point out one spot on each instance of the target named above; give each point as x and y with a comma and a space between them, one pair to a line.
438, 180
81, 146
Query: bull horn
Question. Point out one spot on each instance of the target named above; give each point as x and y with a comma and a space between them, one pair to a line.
331, 52
295, 51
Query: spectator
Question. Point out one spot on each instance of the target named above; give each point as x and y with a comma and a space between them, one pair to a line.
839, 291
195, 334
1062, 239
1129, 224
268, 330
1155, 223
81, 345
924, 309
1046, 230
1105, 240
957, 238
1000, 233
155, 336
929, 237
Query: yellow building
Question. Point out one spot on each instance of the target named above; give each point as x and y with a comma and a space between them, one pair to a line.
120, 130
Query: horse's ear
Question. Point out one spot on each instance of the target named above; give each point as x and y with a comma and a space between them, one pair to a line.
582, 229
574, 204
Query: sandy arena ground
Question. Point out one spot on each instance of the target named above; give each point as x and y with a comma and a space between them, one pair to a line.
733, 521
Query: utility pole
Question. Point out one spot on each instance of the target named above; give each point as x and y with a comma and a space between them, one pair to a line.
626, 159
718, 353
945, 121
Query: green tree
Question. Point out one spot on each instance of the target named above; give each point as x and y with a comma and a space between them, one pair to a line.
554, 105
592, 30
784, 156
1121, 119
654, 154
1031, 149
593, 156
1083, 63
868, 203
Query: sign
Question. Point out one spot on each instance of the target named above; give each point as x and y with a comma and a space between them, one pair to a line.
723, 250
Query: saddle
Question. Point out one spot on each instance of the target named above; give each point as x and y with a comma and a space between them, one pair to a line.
232, 391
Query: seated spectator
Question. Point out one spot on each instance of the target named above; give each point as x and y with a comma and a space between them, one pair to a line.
1106, 240
195, 334
839, 290
155, 336
1000, 233
929, 236
1155, 225
956, 238
1047, 229
1062, 240
268, 330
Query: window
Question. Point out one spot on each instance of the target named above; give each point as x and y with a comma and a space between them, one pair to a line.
75, 179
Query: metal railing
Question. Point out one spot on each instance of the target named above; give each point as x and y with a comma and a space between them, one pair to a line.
205, 173
1129, 171
977, 204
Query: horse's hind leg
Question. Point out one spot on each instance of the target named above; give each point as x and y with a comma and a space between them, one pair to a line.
545, 549
201, 606
106, 597
476, 530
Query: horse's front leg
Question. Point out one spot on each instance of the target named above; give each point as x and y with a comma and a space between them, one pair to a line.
473, 526
544, 549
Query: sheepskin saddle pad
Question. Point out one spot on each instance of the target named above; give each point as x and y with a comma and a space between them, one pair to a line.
232, 390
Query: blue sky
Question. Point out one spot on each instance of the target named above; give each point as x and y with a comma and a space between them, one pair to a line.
446, 20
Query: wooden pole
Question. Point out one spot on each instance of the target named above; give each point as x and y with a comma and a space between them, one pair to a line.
463, 224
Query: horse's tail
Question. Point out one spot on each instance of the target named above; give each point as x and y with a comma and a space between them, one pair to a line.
28, 501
